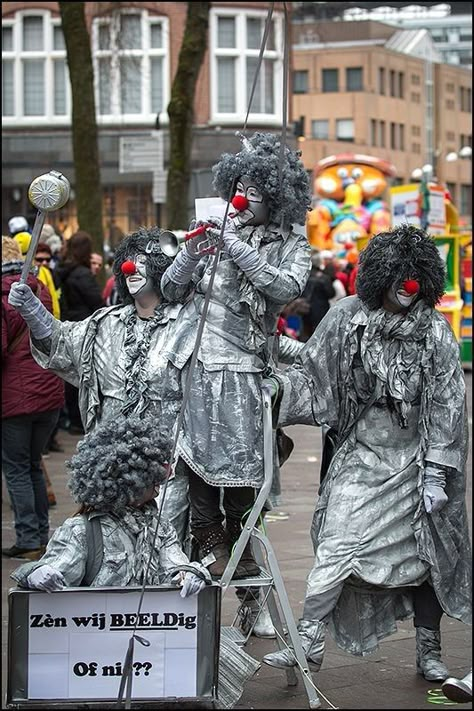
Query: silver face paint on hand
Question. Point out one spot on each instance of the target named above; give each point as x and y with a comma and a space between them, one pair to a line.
257, 211
138, 281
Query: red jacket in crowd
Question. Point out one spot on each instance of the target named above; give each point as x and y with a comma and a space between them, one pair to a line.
26, 387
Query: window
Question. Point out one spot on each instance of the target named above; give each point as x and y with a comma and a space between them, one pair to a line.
401, 137
415, 79
344, 129
373, 132
35, 81
382, 134
393, 139
354, 79
131, 65
236, 38
392, 83
465, 205
401, 85
330, 80
300, 82
381, 76
320, 129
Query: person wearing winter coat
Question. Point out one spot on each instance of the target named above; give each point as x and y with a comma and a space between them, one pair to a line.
31, 401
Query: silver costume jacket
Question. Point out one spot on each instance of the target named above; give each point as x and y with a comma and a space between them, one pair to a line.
117, 361
222, 428
393, 388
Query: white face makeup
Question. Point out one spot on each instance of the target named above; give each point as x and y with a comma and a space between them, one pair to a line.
138, 281
400, 298
257, 211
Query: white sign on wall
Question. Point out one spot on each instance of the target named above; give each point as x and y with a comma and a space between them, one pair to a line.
141, 153
72, 644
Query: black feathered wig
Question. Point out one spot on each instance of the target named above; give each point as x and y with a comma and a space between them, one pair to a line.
144, 241
259, 160
406, 252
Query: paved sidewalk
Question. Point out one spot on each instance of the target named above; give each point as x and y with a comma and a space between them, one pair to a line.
386, 680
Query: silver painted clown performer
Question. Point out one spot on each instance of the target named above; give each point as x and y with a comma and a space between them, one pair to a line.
390, 530
114, 477
264, 264
115, 355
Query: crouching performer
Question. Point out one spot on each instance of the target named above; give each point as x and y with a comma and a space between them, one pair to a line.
115, 357
115, 476
390, 530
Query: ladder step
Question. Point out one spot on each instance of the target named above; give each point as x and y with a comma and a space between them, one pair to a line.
264, 579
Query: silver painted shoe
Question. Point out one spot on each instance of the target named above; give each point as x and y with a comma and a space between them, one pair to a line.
459, 690
255, 620
428, 655
312, 634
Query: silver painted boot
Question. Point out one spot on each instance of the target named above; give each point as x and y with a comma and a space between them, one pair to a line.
428, 655
312, 634
256, 620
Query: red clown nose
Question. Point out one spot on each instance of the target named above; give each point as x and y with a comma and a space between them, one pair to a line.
240, 202
128, 268
411, 286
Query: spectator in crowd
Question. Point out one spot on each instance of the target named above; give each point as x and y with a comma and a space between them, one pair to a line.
318, 292
54, 242
31, 399
97, 262
80, 298
42, 261
17, 224
339, 288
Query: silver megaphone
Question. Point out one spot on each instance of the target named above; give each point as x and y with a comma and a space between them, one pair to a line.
170, 243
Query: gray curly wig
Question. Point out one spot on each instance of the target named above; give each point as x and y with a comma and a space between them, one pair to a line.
289, 202
406, 252
117, 462
156, 263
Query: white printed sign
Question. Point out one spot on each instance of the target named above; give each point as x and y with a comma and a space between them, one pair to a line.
77, 645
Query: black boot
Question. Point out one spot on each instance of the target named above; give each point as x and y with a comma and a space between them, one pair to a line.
247, 566
213, 548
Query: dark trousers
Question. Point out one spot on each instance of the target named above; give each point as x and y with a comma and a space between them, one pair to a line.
71, 394
23, 440
205, 501
428, 611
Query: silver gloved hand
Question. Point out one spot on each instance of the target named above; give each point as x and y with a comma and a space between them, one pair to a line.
434, 495
33, 311
46, 578
193, 582
229, 234
203, 242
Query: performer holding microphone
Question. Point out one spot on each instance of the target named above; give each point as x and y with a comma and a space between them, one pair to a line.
263, 265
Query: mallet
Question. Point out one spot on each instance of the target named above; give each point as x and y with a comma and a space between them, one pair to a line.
47, 192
